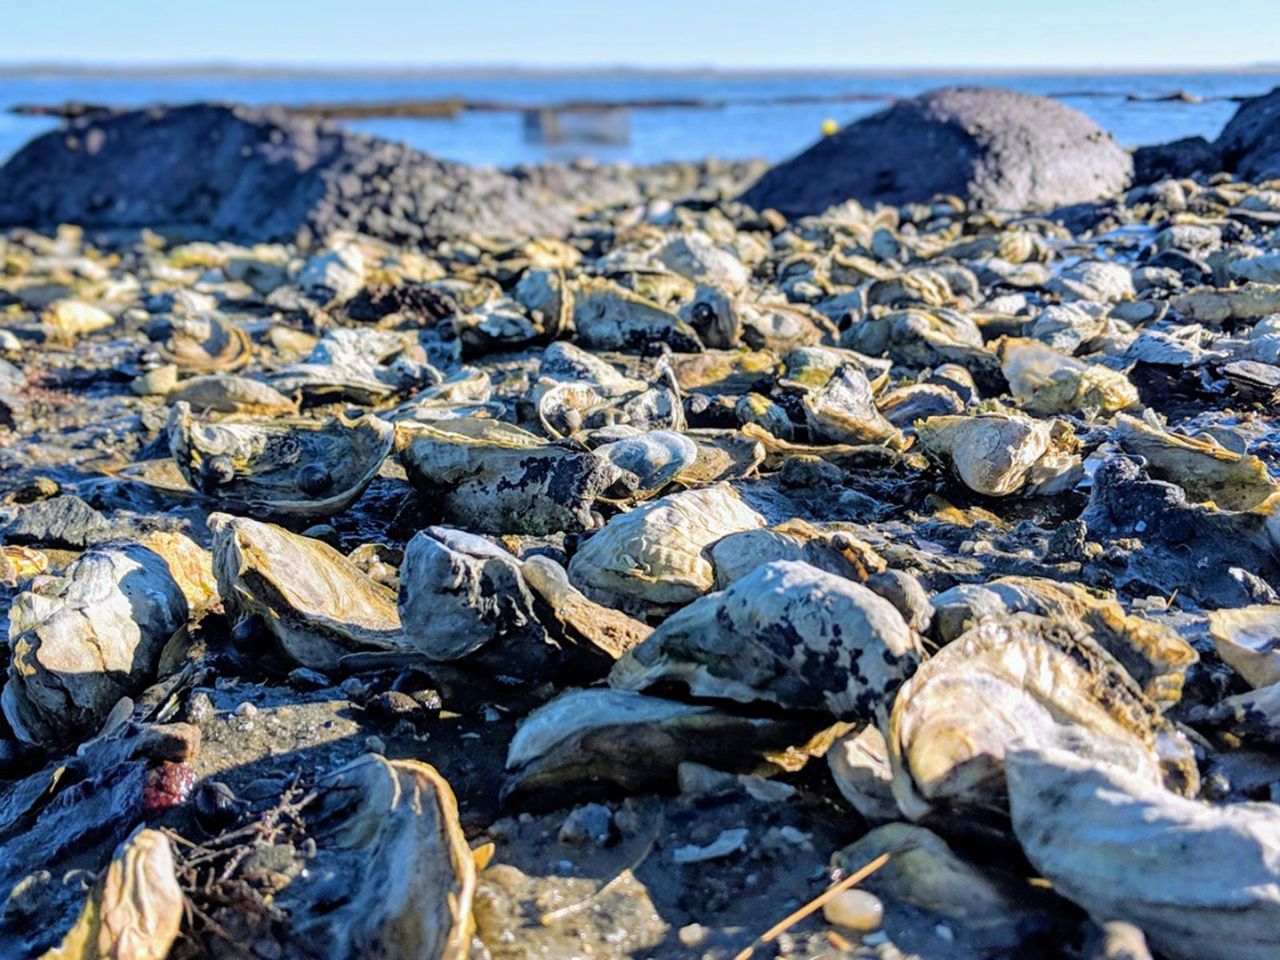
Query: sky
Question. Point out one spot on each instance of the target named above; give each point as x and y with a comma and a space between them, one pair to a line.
848, 34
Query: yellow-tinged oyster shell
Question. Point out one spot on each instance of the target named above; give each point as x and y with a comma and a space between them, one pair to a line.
1045, 381
652, 558
74, 319
1248, 639
391, 827
134, 912
18, 564
1020, 681
298, 468
317, 604
1205, 470
1154, 654
1201, 881
788, 634
997, 454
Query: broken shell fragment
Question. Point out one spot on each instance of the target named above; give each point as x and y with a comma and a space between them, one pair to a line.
297, 468
653, 557
315, 602
1020, 681
1202, 881
788, 634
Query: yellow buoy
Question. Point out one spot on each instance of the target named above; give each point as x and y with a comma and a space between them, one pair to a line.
829, 127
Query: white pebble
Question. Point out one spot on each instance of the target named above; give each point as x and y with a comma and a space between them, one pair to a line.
854, 909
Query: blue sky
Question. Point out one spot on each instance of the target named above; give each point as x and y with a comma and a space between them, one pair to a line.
744, 33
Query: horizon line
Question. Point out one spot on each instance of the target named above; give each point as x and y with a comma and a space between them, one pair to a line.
231, 67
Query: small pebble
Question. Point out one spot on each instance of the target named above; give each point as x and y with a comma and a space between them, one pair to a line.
375, 745
692, 934
854, 909
245, 709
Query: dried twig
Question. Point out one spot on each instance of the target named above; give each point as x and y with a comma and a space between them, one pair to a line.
813, 905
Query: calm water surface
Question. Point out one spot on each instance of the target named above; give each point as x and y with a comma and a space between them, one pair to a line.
739, 129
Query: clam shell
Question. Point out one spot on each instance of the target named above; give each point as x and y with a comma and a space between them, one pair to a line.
206, 344
1201, 881
1020, 681
653, 557
493, 477
286, 468
788, 634
315, 602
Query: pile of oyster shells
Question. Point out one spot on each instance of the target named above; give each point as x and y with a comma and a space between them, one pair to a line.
957, 526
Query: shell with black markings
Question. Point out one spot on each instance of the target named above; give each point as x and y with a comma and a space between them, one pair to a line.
788, 634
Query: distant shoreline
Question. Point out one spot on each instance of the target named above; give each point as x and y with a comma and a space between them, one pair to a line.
259, 71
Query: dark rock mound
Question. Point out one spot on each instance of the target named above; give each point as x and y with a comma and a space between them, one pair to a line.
995, 147
1250, 142
1176, 159
246, 174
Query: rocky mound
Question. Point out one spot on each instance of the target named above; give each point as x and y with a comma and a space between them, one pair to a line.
1250, 142
996, 148
246, 174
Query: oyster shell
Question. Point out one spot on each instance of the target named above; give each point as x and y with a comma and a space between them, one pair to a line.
362, 366
833, 550
859, 763
206, 344
493, 477
788, 634
297, 468
390, 830
585, 740
609, 317
134, 912
1020, 681
1156, 656
921, 338
85, 639
997, 454
459, 593
1044, 381
581, 620
1207, 472
1248, 640
228, 393
844, 410
1202, 881
653, 557
649, 461
315, 602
